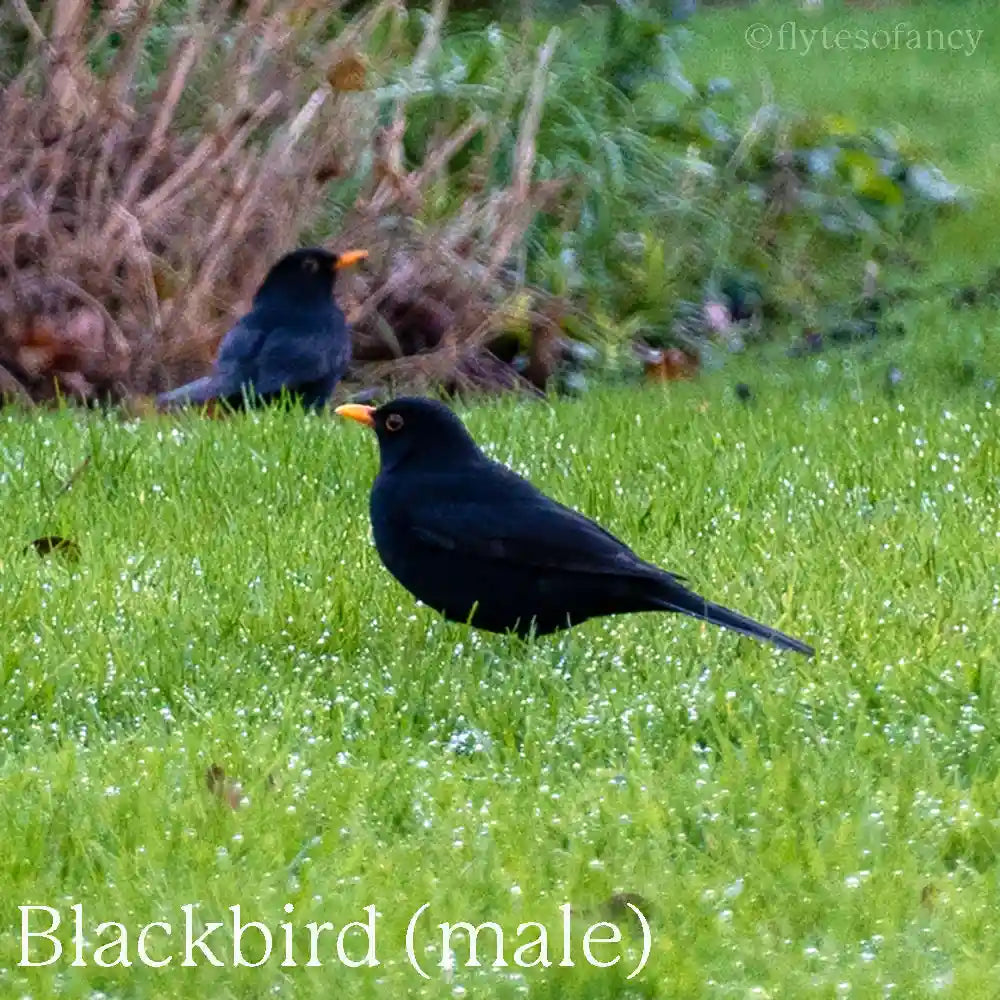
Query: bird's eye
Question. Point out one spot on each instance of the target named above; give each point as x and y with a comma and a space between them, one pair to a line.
393, 422
310, 265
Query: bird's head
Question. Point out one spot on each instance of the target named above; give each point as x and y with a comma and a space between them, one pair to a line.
415, 430
307, 274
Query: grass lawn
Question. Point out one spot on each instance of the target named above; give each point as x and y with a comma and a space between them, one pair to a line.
790, 828
790, 825
939, 99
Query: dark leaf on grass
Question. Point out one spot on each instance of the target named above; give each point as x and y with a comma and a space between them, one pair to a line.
48, 544
223, 788
618, 908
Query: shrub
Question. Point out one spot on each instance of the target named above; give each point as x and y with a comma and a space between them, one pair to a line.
519, 192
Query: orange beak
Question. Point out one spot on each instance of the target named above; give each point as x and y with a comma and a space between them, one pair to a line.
349, 257
355, 411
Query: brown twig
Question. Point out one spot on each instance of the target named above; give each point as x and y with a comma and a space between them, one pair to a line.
30, 24
524, 154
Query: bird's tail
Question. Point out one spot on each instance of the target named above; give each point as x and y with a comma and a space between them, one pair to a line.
689, 603
196, 393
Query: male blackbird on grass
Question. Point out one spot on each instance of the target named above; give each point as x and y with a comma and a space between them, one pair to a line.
293, 340
479, 544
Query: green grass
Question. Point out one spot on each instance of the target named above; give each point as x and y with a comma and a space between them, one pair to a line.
795, 828
781, 818
942, 97
941, 101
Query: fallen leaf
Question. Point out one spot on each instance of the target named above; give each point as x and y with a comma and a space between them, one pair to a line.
229, 791
618, 905
48, 544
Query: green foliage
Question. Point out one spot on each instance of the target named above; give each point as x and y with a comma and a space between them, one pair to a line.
676, 187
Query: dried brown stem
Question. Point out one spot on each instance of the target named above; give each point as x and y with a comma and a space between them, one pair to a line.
30, 24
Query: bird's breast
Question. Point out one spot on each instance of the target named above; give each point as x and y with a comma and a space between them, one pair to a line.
392, 526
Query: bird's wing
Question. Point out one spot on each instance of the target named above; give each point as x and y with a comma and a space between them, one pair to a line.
526, 528
290, 357
238, 353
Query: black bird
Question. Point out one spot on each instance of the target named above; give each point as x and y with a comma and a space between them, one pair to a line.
293, 339
479, 544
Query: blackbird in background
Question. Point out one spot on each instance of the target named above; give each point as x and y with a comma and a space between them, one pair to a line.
293, 339
479, 544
